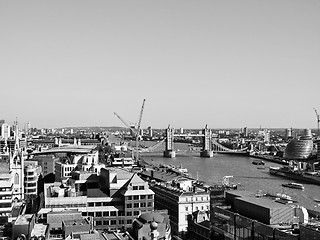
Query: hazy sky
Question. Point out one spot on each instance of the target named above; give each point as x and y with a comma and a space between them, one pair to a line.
221, 63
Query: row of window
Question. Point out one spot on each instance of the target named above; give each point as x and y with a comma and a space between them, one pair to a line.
112, 222
197, 199
141, 197
31, 184
111, 214
5, 197
99, 204
32, 190
137, 205
5, 189
197, 208
137, 187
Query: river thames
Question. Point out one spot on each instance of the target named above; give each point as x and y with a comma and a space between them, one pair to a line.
248, 176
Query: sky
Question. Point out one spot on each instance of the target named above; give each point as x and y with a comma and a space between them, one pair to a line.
227, 64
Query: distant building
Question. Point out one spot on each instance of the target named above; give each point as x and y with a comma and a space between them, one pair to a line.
47, 164
150, 132
288, 133
299, 149
5, 131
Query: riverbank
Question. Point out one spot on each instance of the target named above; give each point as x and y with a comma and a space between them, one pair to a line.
271, 158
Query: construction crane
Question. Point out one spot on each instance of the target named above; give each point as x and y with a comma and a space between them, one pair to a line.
125, 123
318, 120
136, 129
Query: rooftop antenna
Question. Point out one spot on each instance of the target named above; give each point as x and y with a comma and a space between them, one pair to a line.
318, 120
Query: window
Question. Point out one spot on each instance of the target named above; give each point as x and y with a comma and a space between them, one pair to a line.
141, 187
98, 204
136, 213
98, 223
129, 221
98, 214
187, 209
142, 197
121, 222
105, 204
120, 213
129, 205
129, 197
150, 196
135, 187
136, 205
129, 213
105, 214
113, 222
149, 204
106, 222
136, 197
201, 207
143, 204
91, 214
113, 213
90, 204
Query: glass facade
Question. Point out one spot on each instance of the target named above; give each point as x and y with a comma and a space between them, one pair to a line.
298, 149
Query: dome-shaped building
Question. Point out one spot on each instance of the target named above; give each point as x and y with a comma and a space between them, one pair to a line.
299, 149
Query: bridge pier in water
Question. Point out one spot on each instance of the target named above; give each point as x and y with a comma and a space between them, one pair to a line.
169, 151
206, 147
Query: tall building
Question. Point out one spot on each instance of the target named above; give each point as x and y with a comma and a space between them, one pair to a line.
17, 158
32, 173
5, 131
245, 132
288, 133
150, 132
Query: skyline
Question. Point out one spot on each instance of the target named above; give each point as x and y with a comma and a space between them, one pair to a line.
228, 64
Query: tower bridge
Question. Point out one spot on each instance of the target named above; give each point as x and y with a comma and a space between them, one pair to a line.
209, 146
206, 135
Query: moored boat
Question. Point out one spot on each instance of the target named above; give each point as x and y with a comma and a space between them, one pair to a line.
303, 176
293, 185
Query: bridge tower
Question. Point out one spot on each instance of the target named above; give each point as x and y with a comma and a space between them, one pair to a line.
207, 144
169, 151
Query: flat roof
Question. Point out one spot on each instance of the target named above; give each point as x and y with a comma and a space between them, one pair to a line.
39, 229
263, 202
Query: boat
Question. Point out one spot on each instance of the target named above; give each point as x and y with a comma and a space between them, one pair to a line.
299, 175
283, 198
293, 185
227, 182
176, 169
258, 162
